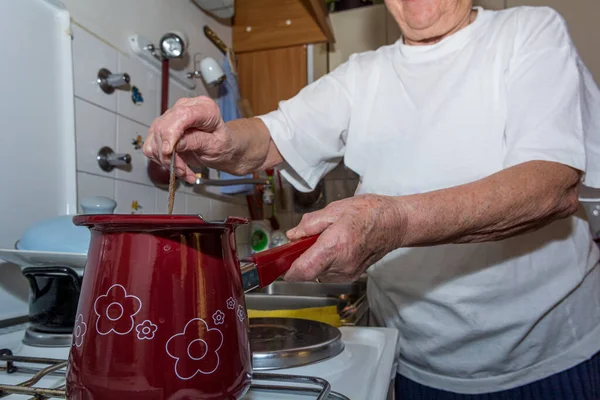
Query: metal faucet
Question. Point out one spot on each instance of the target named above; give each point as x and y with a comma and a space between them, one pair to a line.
231, 182
202, 178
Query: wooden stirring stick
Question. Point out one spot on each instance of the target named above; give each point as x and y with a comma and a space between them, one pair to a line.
172, 184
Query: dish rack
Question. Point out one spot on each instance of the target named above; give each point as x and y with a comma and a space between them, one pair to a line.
319, 388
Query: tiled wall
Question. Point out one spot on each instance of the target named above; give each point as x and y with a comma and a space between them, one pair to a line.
115, 120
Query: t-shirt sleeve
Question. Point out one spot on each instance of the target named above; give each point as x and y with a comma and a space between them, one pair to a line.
310, 129
544, 86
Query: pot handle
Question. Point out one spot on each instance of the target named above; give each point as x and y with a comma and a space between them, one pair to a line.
32, 272
265, 267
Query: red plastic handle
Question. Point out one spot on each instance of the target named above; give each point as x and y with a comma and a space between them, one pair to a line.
272, 263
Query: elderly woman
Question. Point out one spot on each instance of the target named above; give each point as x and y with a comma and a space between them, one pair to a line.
471, 136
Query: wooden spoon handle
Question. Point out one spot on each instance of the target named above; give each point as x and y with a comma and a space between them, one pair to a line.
172, 184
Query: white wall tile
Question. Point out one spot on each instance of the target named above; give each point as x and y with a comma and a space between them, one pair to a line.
93, 185
296, 217
198, 205
128, 195
219, 209
242, 233
128, 134
162, 202
288, 220
146, 80
341, 172
338, 189
94, 128
287, 195
175, 93
285, 221
90, 55
243, 250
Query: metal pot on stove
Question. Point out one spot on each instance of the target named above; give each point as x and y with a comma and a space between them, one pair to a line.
59, 234
53, 297
162, 310
55, 289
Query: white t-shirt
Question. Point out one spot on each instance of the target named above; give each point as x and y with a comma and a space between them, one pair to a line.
507, 89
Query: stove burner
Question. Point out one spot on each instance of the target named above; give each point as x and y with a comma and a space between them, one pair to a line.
290, 342
36, 338
26, 387
10, 368
270, 333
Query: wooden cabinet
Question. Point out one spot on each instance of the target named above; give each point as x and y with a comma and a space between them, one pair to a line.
270, 39
269, 76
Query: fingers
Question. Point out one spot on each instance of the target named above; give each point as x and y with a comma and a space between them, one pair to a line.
314, 223
170, 127
315, 261
183, 171
166, 131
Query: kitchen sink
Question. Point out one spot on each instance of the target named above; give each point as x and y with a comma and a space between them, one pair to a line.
281, 287
282, 302
349, 298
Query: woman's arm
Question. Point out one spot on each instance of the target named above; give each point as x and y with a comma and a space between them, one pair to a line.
516, 200
359, 231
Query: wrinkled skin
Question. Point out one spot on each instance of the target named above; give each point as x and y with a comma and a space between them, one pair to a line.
425, 22
355, 233
206, 141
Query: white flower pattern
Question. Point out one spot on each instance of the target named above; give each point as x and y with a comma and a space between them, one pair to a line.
146, 330
115, 311
79, 331
230, 303
219, 317
241, 314
197, 347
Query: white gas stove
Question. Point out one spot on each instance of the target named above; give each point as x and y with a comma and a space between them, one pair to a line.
364, 370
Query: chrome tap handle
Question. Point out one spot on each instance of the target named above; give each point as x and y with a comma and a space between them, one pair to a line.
109, 81
108, 159
116, 80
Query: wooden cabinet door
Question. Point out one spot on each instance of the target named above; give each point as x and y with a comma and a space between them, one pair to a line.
583, 19
269, 76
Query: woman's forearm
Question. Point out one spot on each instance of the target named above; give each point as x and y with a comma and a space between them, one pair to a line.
516, 200
254, 149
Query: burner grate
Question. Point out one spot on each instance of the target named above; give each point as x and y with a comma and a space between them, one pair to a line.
26, 387
55, 366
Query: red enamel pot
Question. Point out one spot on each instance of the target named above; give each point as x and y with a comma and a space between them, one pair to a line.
161, 313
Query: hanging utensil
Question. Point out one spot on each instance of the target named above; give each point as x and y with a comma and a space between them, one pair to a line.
171, 184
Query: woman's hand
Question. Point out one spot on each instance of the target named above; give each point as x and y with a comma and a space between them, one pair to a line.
201, 137
196, 129
355, 233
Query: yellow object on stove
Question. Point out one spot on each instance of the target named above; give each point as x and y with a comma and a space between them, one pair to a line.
327, 314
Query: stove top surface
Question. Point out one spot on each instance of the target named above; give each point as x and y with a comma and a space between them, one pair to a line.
362, 371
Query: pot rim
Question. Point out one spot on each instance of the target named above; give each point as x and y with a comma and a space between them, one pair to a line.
153, 222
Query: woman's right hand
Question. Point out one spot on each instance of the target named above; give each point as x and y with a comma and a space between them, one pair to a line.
195, 128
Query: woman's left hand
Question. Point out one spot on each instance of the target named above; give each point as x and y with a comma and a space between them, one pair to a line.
354, 234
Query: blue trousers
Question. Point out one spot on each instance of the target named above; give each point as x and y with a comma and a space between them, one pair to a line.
581, 382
